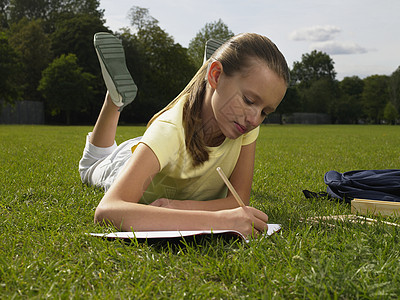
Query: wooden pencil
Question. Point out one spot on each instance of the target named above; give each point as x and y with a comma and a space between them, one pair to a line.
230, 187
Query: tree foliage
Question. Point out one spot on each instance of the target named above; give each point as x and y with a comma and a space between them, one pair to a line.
35, 32
349, 107
394, 88
10, 70
141, 19
312, 67
290, 103
375, 96
160, 67
215, 30
49, 10
320, 95
41, 30
33, 48
75, 35
390, 113
314, 78
3, 14
65, 86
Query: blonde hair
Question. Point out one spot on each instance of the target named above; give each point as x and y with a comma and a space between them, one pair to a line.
234, 56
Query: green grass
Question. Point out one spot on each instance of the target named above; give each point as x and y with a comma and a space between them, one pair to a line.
45, 212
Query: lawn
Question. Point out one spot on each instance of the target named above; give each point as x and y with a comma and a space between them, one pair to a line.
46, 211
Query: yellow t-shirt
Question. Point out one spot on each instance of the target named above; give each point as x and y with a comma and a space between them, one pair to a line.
177, 178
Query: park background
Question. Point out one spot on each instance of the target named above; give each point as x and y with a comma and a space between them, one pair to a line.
46, 211
50, 73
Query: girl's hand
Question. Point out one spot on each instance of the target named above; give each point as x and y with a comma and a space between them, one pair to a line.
167, 203
247, 220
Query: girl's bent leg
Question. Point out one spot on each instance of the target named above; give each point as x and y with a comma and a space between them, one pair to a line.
101, 142
104, 130
91, 158
120, 86
100, 166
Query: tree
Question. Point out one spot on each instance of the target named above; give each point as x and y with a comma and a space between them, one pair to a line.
394, 88
72, 7
319, 96
65, 86
390, 113
75, 35
27, 9
68, 9
160, 67
349, 105
312, 67
3, 14
215, 30
140, 18
314, 77
290, 103
375, 96
47, 10
33, 48
10, 70
352, 86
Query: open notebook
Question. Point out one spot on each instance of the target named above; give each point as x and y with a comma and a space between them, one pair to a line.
152, 235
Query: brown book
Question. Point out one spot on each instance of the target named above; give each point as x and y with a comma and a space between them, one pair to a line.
375, 207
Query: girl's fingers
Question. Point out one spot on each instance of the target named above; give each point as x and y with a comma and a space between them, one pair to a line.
260, 219
257, 213
161, 202
260, 225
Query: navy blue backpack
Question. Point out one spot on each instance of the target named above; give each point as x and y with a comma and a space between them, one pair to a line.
364, 184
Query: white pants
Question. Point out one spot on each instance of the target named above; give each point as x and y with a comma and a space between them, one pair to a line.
101, 166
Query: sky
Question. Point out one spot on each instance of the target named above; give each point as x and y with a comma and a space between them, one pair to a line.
361, 36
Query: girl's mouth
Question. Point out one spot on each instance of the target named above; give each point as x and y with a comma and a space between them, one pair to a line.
240, 128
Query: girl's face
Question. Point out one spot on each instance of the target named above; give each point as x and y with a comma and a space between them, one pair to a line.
241, 102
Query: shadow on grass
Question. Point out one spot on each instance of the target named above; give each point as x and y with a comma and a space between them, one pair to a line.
183, 244
291, 212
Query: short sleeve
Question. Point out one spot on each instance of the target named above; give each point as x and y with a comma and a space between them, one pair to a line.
251, 136
163, 138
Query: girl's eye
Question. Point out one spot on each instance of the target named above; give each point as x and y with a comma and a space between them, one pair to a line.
247, 101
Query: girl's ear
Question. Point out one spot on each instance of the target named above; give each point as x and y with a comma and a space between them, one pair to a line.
214, 73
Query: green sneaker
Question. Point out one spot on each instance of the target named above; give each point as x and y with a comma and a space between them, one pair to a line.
211, 46
118, 80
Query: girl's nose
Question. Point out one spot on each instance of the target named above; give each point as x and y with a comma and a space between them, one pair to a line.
253, 117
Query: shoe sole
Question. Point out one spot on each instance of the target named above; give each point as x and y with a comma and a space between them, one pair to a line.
211, 46
112, 59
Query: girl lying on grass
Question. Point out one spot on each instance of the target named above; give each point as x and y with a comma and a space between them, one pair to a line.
167, 179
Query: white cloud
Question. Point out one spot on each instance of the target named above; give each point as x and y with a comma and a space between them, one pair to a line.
336, 47
316, 33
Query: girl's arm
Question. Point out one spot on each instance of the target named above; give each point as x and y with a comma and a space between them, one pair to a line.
241, 179
120, 206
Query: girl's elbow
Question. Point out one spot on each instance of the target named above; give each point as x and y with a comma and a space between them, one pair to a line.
106, 215
101, 215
